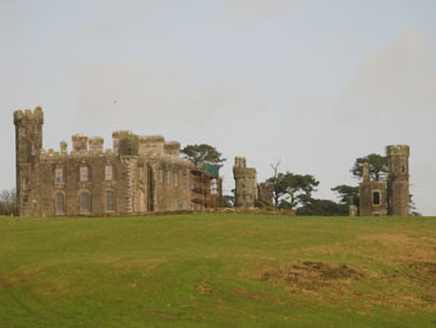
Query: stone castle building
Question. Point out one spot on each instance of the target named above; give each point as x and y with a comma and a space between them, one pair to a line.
389, 197
140, 174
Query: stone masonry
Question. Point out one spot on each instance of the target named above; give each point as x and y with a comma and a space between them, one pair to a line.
245, 184
140, 174
389, 197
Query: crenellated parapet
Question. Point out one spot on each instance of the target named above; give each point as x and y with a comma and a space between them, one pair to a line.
398, 150
26, 116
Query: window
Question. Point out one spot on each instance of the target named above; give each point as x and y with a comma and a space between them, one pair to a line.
403, 169
376, 198
185, 181
160, 175
109, 172
84, 202
167, 176
175, 178
140, 175
84, 174
59, 203
176, 205
214, 187
59, 175
110, 201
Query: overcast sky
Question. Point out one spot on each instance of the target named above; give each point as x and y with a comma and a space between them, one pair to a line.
314, 84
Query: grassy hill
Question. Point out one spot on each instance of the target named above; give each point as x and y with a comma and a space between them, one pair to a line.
218, 270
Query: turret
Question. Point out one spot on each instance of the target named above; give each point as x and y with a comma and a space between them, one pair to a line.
28, 143
245, 184
398, 179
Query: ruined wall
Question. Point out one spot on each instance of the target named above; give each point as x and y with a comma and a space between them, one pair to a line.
245, 184
398, 180
373, 195
173, 185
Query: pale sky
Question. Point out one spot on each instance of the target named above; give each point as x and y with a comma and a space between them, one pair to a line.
314, 84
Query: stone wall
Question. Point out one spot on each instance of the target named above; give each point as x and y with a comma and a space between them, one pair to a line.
146, 174
245, 184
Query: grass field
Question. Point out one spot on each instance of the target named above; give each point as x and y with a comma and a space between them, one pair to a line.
218, 270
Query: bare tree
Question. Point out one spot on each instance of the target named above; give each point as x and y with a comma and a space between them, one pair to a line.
7, 202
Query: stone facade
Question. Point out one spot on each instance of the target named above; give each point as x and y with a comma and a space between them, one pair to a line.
389, 197
245, 184
398, 180
141, 174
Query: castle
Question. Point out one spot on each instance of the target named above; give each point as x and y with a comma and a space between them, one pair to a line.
140, 174
389, 197
145, 174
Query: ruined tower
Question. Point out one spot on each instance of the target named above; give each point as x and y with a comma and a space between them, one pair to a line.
245, 184
28, 143
398, 179
373, 195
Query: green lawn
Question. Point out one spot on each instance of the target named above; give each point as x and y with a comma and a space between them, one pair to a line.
217, 270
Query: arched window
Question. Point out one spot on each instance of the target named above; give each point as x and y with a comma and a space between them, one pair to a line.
59, 203
85, 202
110, 201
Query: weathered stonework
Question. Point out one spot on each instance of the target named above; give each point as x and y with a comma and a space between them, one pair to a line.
140, 174
389, 197
398, 180
245, 184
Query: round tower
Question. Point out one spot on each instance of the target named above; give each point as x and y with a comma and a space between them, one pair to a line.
398, 180
28, 143
245, 184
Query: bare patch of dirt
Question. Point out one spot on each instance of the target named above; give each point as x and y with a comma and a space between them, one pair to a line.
164, 315
312, 275
20, 277
425, 269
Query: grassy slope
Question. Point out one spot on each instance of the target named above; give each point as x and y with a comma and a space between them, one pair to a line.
221, 270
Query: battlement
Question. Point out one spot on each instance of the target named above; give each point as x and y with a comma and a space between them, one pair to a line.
96, 144
172, 148
28, 115
398, 150
51, 154
244, 172
240, 162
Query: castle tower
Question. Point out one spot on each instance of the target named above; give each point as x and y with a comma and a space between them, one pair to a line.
246, 184
28, 143
398, 180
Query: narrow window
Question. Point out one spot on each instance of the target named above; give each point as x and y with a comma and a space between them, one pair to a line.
59, 175
140, 176
175, 178
84, 202
185, 181
160, 175
109, 172
403, 168
176, 205
110, 201
84, 173
214, 187
376, 198
60, 204
167, 176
